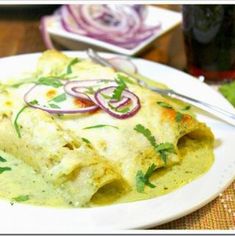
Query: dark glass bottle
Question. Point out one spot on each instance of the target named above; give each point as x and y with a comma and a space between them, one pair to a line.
209, 34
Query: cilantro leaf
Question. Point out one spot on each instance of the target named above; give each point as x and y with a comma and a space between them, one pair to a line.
147, 133
178, 116
86, 140
2, 159
52, 105
100, 126
163, 149
2, 169
50, 81
125, 78
21, 198
117, 93
186, 108
72, 62
59, 98
16, 125
164, 104
143, 179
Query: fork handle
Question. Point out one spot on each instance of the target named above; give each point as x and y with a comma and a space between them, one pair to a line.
214, 110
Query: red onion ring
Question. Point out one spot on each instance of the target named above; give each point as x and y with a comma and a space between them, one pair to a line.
118, 104
45, 35
77, 88
121, 25
104, 103
28, 100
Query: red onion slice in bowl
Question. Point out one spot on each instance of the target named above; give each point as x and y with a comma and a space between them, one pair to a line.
105, 103
35, 98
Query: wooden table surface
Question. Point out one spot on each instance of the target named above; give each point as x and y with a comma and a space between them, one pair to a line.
19, 33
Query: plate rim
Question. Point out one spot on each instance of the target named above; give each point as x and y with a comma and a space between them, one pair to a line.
149, 224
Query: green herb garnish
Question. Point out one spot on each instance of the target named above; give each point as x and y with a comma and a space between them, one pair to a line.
186, 108
52, 105
105, 96
100, 126
86, 140
163, 149
50, 81
147, 133
143, 179
73, 62
3, 169
90, 90
164, 104
125, 78
178, 116
16, 125
59, 98
117, 93
2, 159
17, 128
21, 198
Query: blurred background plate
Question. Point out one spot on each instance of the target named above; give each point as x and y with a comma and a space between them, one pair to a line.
168, 19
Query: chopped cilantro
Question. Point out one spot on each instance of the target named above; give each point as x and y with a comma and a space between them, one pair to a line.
71, 63
86, 140
16, 125
105, 96
2, 169
50, 81
59, 98
164, 104
100, 126
90, 90
17, 128
2, 159
21, 198
143, 179
186, 108
125, 78
52, 105
163, 149
178, 116
117, 93
147, 133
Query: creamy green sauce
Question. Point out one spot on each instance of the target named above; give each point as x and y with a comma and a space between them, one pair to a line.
197, 158
22, 180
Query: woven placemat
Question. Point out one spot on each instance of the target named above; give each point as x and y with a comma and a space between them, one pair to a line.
217, 215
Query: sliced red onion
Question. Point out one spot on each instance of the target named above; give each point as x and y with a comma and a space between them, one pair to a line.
69, 23
32, 95
80, 88
121, 25
123, 63
105, 103
118, 104
45, 35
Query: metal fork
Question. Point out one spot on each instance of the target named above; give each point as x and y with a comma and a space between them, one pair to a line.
214, 110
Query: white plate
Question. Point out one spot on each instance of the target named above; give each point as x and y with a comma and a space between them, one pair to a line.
168, 19
31, 219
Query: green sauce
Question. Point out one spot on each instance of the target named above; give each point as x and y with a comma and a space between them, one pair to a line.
23, 181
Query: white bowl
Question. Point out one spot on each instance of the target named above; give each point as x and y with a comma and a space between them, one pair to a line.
168, 19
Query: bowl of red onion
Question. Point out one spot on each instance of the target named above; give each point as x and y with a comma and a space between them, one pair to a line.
125, 29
